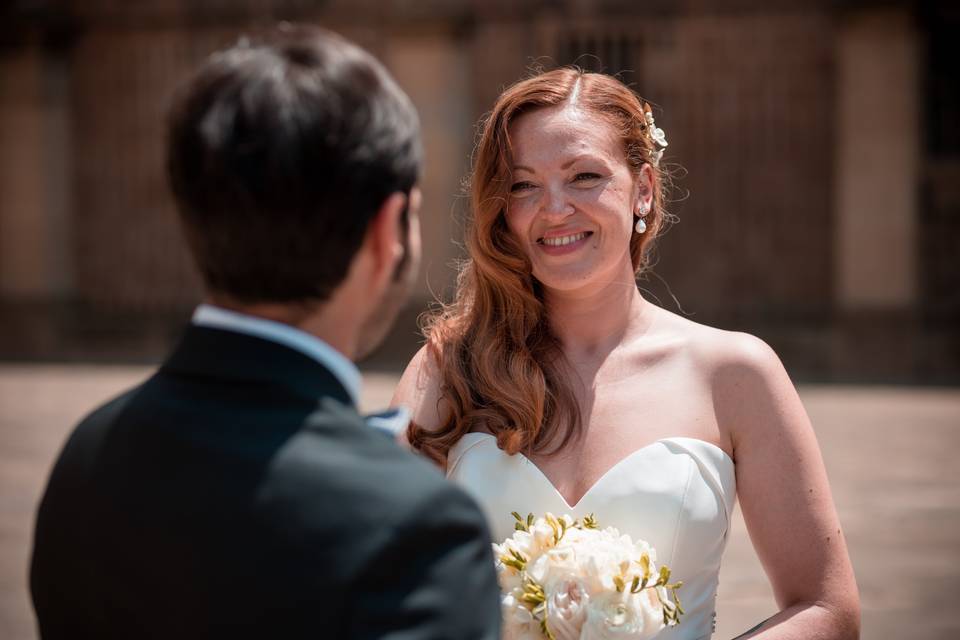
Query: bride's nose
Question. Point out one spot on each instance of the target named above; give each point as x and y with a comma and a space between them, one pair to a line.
556, 203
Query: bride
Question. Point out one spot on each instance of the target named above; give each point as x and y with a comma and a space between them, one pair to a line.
551, 384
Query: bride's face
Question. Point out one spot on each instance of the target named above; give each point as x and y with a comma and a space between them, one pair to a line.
572, 198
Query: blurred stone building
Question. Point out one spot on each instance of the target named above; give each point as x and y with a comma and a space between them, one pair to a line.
815, 146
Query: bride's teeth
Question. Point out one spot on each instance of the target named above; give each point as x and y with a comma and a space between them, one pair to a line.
564, 240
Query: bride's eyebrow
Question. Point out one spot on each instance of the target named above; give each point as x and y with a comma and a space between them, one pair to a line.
583, 157
566, 165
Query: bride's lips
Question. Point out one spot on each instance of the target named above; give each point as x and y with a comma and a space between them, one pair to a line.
558, 244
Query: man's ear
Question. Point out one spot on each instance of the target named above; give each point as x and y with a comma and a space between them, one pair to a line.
384, 240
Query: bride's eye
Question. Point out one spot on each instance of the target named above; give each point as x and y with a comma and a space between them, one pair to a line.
518, 187
586, 176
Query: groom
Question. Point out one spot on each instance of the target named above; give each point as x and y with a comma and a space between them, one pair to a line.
237, 492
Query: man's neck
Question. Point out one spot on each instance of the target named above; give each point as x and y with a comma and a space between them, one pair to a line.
321, 320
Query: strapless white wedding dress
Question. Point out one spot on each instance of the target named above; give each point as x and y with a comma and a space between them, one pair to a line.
676, 493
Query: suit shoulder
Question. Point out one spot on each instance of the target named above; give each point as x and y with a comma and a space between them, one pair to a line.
339, 455
350, 488
85, 439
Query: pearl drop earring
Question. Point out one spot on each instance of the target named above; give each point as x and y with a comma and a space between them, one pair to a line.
641, 226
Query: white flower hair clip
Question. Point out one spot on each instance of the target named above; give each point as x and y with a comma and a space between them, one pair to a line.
656, 135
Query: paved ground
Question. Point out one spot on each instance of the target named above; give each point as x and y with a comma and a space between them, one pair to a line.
892, 454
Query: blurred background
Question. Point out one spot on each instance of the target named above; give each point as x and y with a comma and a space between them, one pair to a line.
816, 146
816, 153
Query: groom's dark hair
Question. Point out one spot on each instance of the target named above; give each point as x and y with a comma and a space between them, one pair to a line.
279, 154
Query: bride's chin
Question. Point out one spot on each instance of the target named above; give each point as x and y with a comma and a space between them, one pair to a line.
585, 277
559, 281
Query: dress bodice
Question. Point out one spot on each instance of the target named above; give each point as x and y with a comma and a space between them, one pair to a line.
676, 493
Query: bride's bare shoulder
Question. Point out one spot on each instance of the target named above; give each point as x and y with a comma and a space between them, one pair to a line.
719, 352
419, 390
750, 389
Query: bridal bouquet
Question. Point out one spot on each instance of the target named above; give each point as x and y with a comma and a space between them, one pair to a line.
567, 579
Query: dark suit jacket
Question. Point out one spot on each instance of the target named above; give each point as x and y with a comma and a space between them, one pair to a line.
237, 493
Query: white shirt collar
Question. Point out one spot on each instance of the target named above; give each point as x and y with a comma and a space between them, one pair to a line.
208, 315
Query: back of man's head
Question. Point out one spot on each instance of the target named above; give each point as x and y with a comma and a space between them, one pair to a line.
279, 155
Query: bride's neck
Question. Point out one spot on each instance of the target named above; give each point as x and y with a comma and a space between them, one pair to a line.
591, 324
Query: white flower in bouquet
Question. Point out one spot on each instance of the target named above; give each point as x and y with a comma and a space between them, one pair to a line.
542, 534
567, 603
564, 579
610, 556
518, 622
622, 615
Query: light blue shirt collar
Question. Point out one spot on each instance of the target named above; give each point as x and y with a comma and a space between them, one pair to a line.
208, 315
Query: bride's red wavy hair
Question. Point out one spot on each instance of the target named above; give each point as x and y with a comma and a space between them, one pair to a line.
499, 365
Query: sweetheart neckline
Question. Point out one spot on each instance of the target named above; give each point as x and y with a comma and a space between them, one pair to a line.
603, 476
